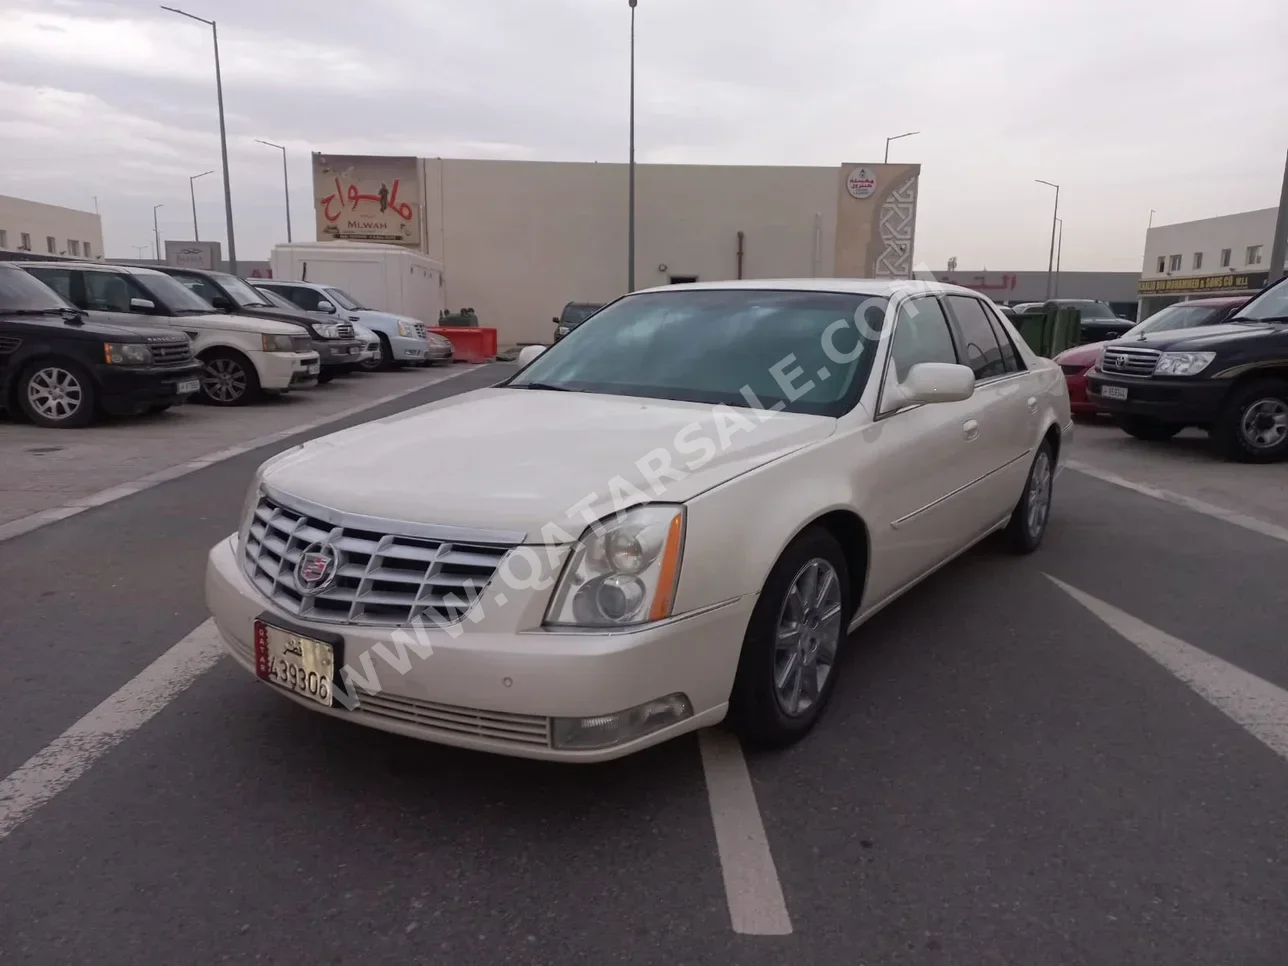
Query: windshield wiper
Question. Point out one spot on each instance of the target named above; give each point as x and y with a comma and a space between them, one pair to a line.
54, 311
548, 386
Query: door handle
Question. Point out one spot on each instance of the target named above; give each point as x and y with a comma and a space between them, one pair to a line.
1032, 402
970, 429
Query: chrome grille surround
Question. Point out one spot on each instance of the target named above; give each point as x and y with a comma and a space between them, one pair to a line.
1128, 361
385, 577
345, 329
420, 329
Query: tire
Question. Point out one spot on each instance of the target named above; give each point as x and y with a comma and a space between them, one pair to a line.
1253, 425
57, 394
761, 711
1028, 523
384, 361
1143, 427
325, 375
229, 379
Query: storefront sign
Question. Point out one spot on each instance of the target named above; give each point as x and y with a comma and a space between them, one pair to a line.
192, 254
367, 198
1229, 282
861, 183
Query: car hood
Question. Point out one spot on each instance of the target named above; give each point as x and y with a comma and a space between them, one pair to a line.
384, 319
214, 321
1202, 337
280, 315
518, 459
1080, 355
98, 324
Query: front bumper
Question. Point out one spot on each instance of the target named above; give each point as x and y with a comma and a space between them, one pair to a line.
1189, 401
1078, 401
339, 352
473, 685
127, 390
440, 353
288, 370
408, 348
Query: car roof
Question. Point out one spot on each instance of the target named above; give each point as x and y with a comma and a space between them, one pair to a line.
111, 267
884, 287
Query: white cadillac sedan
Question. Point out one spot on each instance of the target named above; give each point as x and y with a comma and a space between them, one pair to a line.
677, 514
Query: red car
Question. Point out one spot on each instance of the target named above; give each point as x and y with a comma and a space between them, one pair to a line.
1079, 360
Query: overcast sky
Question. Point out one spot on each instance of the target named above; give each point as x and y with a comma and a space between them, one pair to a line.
1129, 105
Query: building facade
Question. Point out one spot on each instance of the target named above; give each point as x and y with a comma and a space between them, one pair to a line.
30, 226
1226, 255
519, 239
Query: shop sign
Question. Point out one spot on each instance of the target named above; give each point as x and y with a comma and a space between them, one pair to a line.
1226, 282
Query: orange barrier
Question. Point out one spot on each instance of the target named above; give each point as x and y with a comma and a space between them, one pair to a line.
470, 344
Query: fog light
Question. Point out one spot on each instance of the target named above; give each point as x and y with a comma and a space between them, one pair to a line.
607, 730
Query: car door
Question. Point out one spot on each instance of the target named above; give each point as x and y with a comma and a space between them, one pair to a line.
119, 297
914, 465
1008, 398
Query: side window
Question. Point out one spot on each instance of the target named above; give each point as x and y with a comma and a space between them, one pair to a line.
1011, 360
305, 298
975, 338
59, 279
199, 285
105, 292
921, 335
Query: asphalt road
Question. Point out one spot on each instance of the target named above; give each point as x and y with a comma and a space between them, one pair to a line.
1001, 779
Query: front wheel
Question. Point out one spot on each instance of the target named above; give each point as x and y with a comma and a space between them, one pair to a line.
788, 667
1253, 425
1028, 523
57, 394
1142, 427
229, 379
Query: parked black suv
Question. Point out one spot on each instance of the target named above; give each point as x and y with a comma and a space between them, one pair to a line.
1099, 321
61, 366
573, 315
1229, 379
334, 342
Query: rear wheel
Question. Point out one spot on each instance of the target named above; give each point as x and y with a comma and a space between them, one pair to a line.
58, 394
788, 667
1027, 526
229, 379
1253, 425
1142, 427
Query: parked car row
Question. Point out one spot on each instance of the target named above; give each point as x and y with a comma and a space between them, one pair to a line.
82, 338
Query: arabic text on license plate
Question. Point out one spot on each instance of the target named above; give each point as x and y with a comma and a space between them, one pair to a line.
186, 388
1114, 392
313, 369
299, 664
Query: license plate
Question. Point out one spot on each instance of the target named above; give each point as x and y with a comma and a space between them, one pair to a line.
1114, 392
186, 388
313, 369
300, 664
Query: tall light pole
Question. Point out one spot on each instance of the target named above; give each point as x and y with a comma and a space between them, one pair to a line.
286, 184
1279, 244
223, 135
630, 230
886, 159
139, 250
156, 234
1054, 215
193, 192
1059, 247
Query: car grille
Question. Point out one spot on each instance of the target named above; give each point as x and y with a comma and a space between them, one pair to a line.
420, 329
1129, 361
523, 729
171, 353
384, 578
301, 343
345, 330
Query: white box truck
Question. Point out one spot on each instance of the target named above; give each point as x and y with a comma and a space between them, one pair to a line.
383, 277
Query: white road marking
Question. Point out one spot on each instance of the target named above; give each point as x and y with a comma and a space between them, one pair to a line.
34, 521
755, 897
1189, 502
71, 754
1257, 705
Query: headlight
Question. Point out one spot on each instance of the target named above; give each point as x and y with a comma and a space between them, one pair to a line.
328, 330
623, 570
562, 330
1100, 358
127, 354
278, 343
405, 330
1183, 363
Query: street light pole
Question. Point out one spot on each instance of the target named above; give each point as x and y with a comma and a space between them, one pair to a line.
193, 192
886, 159
630, 230
1054, 215
223, 134
286, 184
139, 250
1059, 248
156, 234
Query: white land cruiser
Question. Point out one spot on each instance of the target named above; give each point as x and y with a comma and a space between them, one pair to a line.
244, 356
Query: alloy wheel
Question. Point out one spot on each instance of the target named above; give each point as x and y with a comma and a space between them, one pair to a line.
55, 393
224, 380
1039, 502
1265, 423
807, 636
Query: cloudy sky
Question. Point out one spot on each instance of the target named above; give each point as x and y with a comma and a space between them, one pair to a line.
1128, 105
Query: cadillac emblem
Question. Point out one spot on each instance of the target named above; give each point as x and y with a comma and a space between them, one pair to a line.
316, 570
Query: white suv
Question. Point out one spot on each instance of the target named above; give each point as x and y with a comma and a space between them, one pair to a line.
243, 356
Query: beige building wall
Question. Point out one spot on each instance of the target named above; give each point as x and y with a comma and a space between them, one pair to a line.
518, 239
71, 230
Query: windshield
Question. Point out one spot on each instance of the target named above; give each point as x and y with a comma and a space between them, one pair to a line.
275, 300
1271, 304
344, 299
719, 346
241, 293
20, 292
1180, 316
1090, 310
176, 296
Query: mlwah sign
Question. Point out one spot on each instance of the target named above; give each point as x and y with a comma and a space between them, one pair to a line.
861, 183
366, 198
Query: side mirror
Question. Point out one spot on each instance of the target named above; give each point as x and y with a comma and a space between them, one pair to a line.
142, 305
325, 306
222, 303
530, 352
555, 320
931, 382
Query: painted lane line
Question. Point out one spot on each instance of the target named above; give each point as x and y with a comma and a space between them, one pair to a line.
71, 754
42, 518
1188, 502
1259, 706
755, 897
